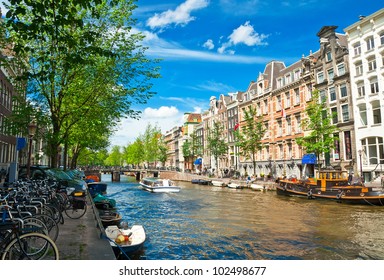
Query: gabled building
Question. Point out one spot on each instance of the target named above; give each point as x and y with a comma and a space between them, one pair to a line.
332, 79
366, 60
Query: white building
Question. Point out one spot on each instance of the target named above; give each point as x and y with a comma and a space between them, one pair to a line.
366, 60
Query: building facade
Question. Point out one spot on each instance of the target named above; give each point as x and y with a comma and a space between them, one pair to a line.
366, 60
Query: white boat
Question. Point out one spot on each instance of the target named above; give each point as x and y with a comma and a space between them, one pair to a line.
125, 240
218, 183
257, 187
234, 186
154, 184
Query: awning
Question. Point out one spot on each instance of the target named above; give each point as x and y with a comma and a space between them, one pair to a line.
198, 161
309, 159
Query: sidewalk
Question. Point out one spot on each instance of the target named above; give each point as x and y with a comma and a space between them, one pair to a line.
79, 239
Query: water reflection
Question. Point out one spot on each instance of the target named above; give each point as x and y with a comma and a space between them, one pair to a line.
205, 222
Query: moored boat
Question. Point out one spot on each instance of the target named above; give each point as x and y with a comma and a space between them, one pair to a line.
218, 183
332, 185
155, 185
257, 187
109, 218
125, 241
102, 202
95, 188
234, 185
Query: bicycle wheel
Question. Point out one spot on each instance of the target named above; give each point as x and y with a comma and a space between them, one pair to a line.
31, 246
48, 222
76, 210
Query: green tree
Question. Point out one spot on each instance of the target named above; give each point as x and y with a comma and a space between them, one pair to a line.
151, 143
216, 144
249, 136
163, 152
115, 157
134, 153
80, 54
319, 131
191, 148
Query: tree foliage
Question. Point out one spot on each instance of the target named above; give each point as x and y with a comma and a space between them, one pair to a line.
216, 144
319, 135
82, 62
249, 136
191, 147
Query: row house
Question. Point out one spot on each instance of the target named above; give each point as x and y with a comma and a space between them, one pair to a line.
348, 72
366, 60
171, 138
332, 79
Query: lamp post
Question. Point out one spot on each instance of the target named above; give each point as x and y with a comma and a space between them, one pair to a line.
31, 132
361, 166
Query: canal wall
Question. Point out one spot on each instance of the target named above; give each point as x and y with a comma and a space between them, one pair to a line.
188, 177
181, 176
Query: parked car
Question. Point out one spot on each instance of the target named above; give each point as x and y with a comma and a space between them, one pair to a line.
43, 172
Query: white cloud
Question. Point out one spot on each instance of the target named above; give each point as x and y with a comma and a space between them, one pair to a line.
129, 129
162, 112
209, 44
244, 34
160, 48
180, 16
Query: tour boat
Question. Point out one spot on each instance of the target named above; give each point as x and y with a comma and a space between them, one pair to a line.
333, 185
155, 185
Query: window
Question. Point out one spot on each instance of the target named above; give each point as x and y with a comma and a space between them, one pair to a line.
278, 105
334, 115
343, 90
297, 96
361, 89
359, 68
332, 94
336, 151
370, 43
296, 75
320, 77
288, 79
265, 107
371, 63
373, 150
357, 49
330, 74
341, 69
345, 112
374, 86
279, 83
289, 126
279, 129
382, 38
363, 114
376, 112
348, 145
323, 96
329, 56
287, 100
298, 124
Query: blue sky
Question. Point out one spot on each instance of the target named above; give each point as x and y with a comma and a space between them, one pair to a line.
213, 47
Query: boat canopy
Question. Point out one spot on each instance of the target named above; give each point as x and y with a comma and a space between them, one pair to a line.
309, 159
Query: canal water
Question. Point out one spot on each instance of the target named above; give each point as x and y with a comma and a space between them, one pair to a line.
214, 223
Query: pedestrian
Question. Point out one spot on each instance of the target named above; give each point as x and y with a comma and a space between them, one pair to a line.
382, 181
